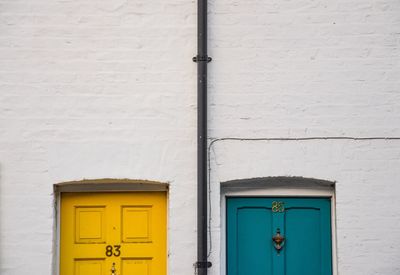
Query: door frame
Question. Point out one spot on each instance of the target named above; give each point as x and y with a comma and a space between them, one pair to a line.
275, 188
99, 186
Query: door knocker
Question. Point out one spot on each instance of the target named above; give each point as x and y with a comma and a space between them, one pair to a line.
279, 240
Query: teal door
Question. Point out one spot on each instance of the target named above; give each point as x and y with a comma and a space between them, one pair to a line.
279, 236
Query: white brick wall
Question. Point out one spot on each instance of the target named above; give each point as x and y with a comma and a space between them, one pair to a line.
367, 185
312, 68
304, 68
94, 89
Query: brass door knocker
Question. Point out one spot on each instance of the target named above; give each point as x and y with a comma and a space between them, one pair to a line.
279, 240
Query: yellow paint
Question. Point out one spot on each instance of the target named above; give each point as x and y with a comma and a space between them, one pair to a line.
134, 221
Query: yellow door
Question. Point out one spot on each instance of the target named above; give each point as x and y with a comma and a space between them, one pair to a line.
113, 233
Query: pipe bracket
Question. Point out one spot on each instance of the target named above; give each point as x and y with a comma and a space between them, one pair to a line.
203, 264
202, 58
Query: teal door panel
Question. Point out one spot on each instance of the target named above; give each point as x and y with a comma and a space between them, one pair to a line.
305, 223
251, 238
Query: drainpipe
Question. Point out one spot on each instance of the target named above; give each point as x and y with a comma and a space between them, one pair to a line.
202, 59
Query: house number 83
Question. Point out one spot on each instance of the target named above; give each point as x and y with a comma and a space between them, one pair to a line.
113, 250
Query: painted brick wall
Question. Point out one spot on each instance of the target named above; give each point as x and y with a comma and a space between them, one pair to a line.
291, 68
286, 69
94, 89
367, 184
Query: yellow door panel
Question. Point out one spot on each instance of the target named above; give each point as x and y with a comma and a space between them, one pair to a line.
124, 232
132, 215
136, 266
90, 224
87, 266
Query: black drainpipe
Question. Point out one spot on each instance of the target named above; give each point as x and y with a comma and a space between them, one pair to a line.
202, 59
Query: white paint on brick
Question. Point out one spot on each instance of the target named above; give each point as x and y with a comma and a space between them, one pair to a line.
366, 175
93, 89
